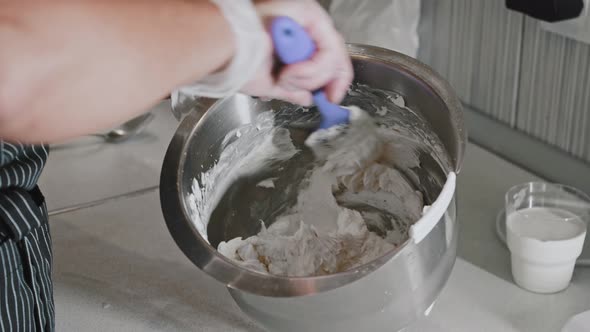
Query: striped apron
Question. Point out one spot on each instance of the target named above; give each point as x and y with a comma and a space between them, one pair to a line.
26, 291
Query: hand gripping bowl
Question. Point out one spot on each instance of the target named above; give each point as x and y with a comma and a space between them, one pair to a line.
386, 294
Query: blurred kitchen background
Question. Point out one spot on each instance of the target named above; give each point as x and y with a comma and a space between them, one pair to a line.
526, 90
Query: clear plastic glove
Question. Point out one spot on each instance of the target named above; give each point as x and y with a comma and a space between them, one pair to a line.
251, 71
329, 68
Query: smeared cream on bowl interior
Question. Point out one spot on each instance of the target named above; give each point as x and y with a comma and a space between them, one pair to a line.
355, 203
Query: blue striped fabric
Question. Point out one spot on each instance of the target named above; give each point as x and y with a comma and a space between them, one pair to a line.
26, 291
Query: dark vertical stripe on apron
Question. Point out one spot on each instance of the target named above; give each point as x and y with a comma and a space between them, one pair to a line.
6, 290
2, 153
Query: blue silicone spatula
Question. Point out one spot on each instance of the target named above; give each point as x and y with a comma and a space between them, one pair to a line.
292, 45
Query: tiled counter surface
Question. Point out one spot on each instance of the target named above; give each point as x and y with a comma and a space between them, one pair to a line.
117, 268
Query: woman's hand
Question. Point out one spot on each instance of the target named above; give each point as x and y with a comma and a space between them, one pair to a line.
329, 68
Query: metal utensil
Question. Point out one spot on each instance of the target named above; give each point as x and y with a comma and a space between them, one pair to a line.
386, 294
128, 129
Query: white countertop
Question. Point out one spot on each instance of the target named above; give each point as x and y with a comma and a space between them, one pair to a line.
88, 169
117, 268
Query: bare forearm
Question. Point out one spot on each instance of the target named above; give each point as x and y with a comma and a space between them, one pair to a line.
71, 67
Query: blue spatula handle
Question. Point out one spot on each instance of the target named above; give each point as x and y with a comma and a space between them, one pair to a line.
292, 44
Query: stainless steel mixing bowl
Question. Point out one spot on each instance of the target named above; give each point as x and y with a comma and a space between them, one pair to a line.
384, 295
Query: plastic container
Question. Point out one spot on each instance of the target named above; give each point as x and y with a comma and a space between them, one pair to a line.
578, 323
545, 227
